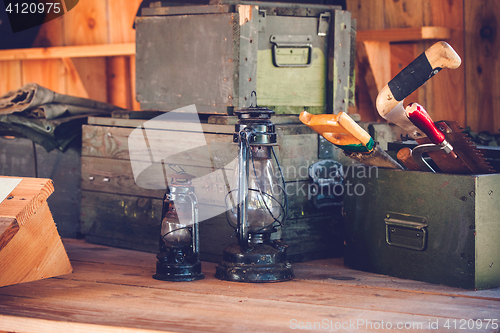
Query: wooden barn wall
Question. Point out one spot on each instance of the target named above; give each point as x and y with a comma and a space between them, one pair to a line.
107, 79
468, 94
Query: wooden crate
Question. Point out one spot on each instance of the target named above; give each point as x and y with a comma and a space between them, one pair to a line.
294, 56
116, 211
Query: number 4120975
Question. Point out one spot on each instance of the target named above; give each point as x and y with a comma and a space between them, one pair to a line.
469, 324
33, 8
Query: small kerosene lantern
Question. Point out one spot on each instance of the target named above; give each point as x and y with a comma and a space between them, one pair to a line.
179, 239
257, 205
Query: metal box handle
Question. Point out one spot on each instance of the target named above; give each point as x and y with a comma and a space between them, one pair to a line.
407, 231
291, 47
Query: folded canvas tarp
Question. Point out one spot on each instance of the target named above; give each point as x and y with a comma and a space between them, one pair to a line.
46, 117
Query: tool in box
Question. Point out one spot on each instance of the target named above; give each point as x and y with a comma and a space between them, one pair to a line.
444, 136
346, 134
444, 143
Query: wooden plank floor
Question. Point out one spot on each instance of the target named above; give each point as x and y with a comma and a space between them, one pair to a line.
111, 290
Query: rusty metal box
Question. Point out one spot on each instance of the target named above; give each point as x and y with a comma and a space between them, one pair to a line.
432, 227
295, 56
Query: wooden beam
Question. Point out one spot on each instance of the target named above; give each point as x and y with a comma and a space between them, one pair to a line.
403, 34
81, 51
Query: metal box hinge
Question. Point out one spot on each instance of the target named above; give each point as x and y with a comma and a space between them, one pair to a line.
407, 231
262, 20
323, 23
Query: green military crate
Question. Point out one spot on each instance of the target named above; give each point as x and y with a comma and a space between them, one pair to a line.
116, 211
432, 227
295, 56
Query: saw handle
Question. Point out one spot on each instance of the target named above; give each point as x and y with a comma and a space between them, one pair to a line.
420, 118
438, 56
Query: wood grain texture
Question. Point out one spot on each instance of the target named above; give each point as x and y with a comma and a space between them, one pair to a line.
481, 67
74, 84
47, 73
136, 106
34, 252
445, 94
379, 56
30, 248
86, 24
8, 228
78, 51
121, 20
369, 14
118, 82
114, 287
121, 82
11, 76
50, 34
403, 13
404, 34
366, 87
28, 196
112, 142
92, 72
28, 325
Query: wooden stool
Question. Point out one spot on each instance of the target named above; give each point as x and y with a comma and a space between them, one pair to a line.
30, 246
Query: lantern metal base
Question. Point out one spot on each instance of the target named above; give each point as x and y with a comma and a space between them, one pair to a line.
264, 262
174, 265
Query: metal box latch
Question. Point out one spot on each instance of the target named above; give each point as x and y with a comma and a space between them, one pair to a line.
324, 23
407, 231
292, 50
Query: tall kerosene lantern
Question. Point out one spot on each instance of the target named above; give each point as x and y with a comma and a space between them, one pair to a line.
256, 205
179, 238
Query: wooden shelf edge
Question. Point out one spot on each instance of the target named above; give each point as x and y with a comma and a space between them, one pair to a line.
403, 34
79, 51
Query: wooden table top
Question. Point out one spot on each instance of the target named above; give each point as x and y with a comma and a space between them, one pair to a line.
111, 290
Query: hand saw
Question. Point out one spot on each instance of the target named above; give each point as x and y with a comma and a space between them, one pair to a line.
390, 106
450, 149
390, 99
346, 134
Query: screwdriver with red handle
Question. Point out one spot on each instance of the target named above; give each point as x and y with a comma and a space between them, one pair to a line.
420, 118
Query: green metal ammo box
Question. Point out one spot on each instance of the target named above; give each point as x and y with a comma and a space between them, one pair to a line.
432, 227
295, 56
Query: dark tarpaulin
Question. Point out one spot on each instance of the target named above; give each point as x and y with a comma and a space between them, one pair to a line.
50, 119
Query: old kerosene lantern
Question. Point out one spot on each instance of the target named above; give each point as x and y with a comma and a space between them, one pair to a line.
179, 236
256, 205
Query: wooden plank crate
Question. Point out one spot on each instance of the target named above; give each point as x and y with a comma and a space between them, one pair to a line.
115, 211
30, 246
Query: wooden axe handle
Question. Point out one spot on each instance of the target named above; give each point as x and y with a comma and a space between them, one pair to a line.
438, 56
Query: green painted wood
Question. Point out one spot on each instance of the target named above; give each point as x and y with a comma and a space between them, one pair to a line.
289, 86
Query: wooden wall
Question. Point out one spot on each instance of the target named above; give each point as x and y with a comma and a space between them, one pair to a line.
108, 79
469, 94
